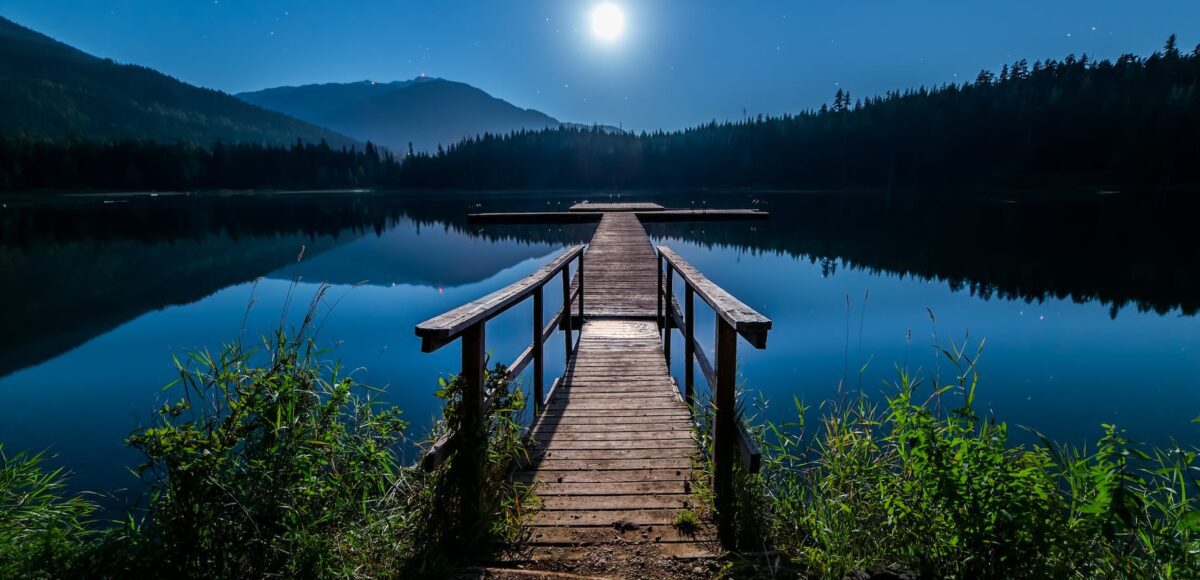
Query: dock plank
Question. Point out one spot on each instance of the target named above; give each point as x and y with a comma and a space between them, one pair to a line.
615, 443
602, 460
616, 207
621, 273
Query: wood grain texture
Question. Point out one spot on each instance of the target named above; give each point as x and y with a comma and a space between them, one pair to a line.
745, 320
616, 207
622, 281
615, 447
454, 322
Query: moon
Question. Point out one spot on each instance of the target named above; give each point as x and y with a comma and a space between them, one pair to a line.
608, 21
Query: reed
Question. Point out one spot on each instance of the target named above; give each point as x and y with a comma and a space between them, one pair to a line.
921, 483
44, 532
270, 461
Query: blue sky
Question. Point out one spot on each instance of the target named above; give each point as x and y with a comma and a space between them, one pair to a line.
678, 62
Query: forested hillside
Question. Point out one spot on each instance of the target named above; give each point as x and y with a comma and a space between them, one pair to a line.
1077, 122
423, 113
49, 90
1071, 122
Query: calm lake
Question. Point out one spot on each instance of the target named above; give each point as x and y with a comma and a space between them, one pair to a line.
1087, 306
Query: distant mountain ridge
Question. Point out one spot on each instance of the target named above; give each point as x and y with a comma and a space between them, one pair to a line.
49, 89
424, 111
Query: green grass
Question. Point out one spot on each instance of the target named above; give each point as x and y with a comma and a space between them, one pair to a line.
687, 522
268, 462
43, 532
923, 483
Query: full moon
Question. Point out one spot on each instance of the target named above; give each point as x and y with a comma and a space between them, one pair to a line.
608, 21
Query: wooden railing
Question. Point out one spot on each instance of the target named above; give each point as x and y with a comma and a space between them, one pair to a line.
733, 318
468, 323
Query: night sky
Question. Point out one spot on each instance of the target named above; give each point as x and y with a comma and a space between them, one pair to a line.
676, 63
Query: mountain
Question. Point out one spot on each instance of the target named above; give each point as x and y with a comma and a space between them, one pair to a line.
49, 89
425, 111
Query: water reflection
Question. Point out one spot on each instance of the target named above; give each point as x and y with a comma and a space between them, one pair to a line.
100, 295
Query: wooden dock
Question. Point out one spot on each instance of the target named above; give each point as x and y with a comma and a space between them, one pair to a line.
615, 451
622, 271
575, 216
613, 442
616, 207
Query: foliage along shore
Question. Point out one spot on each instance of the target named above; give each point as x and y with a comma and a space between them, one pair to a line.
1077, 122
921, 485
272, 462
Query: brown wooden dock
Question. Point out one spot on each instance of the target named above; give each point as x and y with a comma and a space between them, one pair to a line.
616, 207
622, 271
613, 443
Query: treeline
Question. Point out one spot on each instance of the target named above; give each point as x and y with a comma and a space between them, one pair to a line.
1076, 121
28, 163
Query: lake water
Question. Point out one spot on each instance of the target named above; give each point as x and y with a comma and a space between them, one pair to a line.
1087, 307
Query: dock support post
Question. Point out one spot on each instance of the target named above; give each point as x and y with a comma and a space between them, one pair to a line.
668, 318
580, 276
689, 344
660, 293
472, 439
538, 362
725, 428
566, 284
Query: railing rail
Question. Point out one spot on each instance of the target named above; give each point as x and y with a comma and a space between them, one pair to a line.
733, 318
468, 323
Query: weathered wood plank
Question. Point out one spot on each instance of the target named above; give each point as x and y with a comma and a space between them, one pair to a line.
613, 476
554, 464
587, 536
646, 216
650, 517
745, 320
574, 503
588, 206
620, 269
677, 551
635, 453
437, 330
612, 488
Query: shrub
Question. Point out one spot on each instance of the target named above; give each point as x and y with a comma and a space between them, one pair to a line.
277, 468
909, 485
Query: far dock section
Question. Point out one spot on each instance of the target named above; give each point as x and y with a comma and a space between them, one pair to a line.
621, 270
616, 207
592, 212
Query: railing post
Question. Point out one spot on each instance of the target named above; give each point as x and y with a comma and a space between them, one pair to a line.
580, 276
659, 295
689, 343
668, 311
471, 436
566, 284
724, 427
538, 363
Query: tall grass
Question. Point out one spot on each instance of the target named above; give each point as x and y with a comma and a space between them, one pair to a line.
44, 532
269, 462
922, 483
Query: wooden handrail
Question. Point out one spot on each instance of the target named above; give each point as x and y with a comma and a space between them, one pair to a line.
745, 320
748, 450
469, 321
733, 318
443, 329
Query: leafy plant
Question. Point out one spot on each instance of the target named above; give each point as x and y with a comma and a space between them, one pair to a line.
273, 468
912, 485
